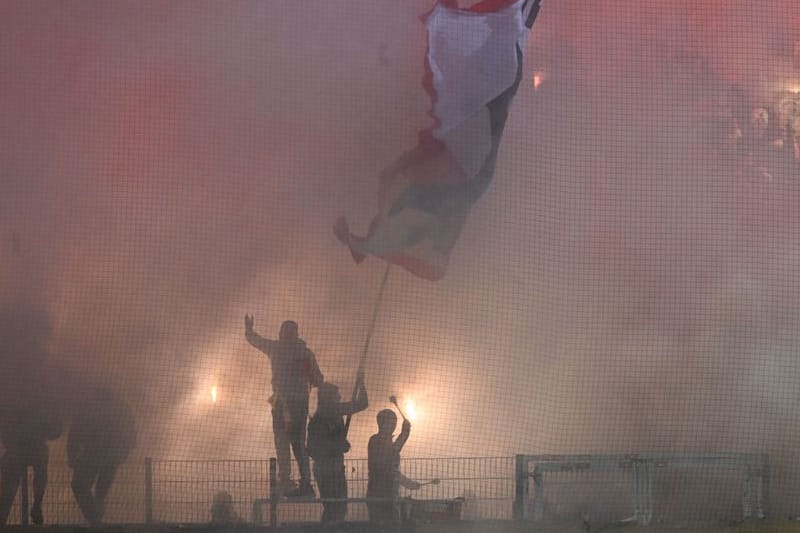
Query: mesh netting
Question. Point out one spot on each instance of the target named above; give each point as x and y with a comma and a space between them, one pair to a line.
627, 284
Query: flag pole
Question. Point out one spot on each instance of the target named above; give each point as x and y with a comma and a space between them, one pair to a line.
363, 360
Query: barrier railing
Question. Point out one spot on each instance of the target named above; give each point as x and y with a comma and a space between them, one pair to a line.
650, 481
468, 488
124, 504
182, 491
529, 487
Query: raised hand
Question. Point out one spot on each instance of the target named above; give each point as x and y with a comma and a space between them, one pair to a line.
248, 323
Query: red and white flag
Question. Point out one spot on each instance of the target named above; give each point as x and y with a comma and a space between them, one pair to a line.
473, 69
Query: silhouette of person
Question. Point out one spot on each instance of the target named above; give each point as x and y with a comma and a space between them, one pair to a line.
28, 418
294, 371
327, 444
25, 428
101, 436
222, 511
383, 462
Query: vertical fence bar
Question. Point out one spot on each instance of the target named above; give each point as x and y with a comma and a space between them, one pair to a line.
23, 498
273, 492
642, 490
148, 490
520, 509
747, 491
763, 488
636, 481
538, 494
649, 490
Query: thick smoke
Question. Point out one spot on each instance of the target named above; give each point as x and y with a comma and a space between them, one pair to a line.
167, 168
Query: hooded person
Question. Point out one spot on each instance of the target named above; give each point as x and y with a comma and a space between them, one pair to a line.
327, 444
294, 372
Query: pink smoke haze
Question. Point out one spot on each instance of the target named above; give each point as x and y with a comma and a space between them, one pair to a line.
168, 167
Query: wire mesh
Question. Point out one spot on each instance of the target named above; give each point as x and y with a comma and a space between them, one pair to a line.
622, 276
125, 503
184, 491
481, 487
662, 488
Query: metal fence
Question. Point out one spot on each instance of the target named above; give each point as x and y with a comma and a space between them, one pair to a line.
642, 488
481, 488
183, 491
125, 503
645, 488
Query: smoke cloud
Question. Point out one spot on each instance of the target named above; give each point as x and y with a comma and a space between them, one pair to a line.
167, 168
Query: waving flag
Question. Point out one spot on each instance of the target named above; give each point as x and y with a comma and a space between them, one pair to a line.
473, 69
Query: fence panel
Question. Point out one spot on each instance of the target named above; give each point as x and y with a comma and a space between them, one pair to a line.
183, 491
671, 488
124, 504
482, 488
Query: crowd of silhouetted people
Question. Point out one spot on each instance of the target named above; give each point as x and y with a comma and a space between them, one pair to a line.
764, 142
40, 405
756, 136
323, 437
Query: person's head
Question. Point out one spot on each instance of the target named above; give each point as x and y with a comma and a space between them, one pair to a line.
222, 508
288, 331
328, 396
223, 499
387, 421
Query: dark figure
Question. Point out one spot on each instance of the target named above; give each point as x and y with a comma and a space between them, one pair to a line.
294, 371
222, 511
327, 444
24, 431
384, 468
102, 435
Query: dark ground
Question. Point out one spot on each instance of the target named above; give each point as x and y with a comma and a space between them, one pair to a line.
776, 526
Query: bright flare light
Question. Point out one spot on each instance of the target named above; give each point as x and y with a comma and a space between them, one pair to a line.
214, 394
410, 410
538, 78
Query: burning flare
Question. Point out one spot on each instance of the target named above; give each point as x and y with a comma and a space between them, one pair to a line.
410, 410
538, 78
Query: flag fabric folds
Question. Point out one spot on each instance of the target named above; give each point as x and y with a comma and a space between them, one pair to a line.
473, 69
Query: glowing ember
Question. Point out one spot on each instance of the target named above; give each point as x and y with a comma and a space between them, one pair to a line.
214, 394
538, 78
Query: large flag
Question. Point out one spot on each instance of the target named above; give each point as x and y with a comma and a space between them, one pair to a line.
473, 69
